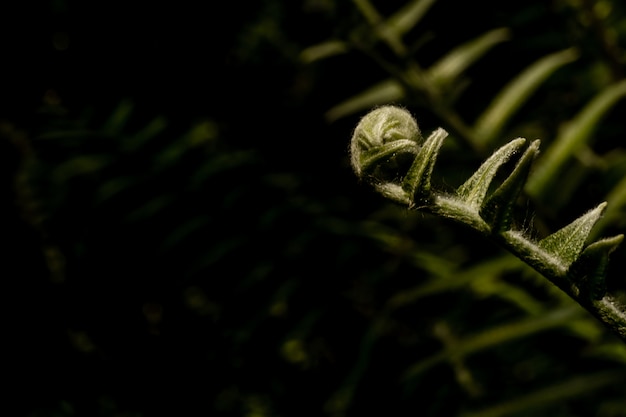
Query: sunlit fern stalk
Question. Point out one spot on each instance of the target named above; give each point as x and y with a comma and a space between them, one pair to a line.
388, 151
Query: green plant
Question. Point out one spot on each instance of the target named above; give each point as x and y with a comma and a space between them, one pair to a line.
177, 237
509, 96
388, 151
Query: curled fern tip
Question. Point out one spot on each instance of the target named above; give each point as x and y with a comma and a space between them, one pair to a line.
385, 136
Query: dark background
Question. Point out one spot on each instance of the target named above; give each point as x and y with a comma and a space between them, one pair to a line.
238, 269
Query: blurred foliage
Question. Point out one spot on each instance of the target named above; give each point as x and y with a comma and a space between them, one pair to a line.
185, 236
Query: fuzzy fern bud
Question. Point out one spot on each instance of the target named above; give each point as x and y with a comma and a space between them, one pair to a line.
385, 140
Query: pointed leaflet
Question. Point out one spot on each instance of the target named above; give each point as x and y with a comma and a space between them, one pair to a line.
475, 188
497, 210
590, 267
567, 243
417, 180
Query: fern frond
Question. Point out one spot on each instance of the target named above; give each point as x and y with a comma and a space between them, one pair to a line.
560, 257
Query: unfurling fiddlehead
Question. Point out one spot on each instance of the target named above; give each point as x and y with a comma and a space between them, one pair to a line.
388, 151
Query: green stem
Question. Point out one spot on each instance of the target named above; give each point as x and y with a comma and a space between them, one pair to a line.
607, 309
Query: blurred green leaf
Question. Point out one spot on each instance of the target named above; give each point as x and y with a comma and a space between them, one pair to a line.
444, 72
151, 130
571, 388
184, 230
382, 93
409, 16
448, 68
80, 165
390, 30
503, 333
511, 97
118, 119
150, 208
380, 27
323, 50
614, 351
109, 188
577, 133
615, 209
